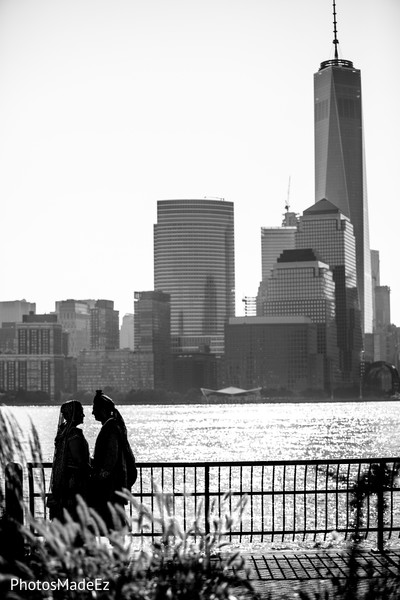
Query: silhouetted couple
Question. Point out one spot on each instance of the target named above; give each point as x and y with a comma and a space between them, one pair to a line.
96, 481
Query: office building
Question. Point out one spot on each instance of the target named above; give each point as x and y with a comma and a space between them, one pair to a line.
375, 277
74, 316
382, 344
153, 338
194, 263
382, 307
8, 338
275, 353
12, 311
38, 365
126, 333
302, 285
196, 370
104, 326
325, 229
114, 369
339, 159
274, 240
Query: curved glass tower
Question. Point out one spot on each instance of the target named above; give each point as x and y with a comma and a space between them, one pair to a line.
339, 159
194, 263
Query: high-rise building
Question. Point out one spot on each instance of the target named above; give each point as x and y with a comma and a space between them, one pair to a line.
339, 159
375, 278
276, 353
382, 307
38, 365
8, 338
194, 263
302, 285
126, 333
274, 240
104, 326
382, 344
113, 369
329, 233
153, 337
375, 268
12, 311
74, 316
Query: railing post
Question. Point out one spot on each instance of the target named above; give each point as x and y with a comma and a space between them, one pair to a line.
207, 497
12, 538
380, 506
14, 508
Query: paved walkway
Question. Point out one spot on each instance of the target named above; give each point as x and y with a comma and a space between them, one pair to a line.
284, 574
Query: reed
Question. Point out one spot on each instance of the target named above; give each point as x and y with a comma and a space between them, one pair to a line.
78, 555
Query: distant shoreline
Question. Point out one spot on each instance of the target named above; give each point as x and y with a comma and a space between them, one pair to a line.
232, 400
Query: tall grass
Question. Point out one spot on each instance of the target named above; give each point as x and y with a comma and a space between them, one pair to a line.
184, 564
70, 559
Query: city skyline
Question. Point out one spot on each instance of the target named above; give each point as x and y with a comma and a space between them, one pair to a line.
108, 108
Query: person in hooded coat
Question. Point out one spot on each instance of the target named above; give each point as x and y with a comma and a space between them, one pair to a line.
71, 463
113, 460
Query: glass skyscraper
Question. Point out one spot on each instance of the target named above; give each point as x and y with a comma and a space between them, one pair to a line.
194, 263
302, 285
273, 241
330, 233
339, 160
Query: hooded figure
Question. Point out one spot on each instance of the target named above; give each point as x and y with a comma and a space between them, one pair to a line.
113, 460
71, 462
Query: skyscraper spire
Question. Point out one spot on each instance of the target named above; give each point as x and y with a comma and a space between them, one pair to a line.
336, 61
335, 40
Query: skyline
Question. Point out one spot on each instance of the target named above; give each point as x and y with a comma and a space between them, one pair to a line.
107, 108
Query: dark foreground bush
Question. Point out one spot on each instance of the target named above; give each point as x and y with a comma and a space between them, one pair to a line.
81, 560
77, 560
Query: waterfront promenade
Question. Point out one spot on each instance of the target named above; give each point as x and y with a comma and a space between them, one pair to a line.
292, 520
297, 519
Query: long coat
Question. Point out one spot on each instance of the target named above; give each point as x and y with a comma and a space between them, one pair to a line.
109, 469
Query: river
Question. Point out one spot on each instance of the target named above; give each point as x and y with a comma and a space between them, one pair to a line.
241, 431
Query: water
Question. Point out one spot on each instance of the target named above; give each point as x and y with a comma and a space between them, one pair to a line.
244, 432
241, 431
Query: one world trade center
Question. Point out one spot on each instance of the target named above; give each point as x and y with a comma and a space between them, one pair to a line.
339, 159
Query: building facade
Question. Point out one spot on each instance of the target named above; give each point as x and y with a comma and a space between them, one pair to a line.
302, 285
274, 240
153, 338
329, 233
8, 338
275, 353
38, 365
12, 311
126, 334
74, 316
104, 326
106, 369
194, 263
339, 160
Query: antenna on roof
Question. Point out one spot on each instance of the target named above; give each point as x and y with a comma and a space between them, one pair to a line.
287, 205
335, 40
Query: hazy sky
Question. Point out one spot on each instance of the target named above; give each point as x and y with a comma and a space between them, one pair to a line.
107, 106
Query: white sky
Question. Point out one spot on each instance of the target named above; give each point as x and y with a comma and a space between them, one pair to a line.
107, 106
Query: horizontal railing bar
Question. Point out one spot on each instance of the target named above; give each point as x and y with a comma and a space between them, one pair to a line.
286, 498
260, 463
289, 531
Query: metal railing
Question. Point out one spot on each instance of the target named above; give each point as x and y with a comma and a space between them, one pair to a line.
286, 500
